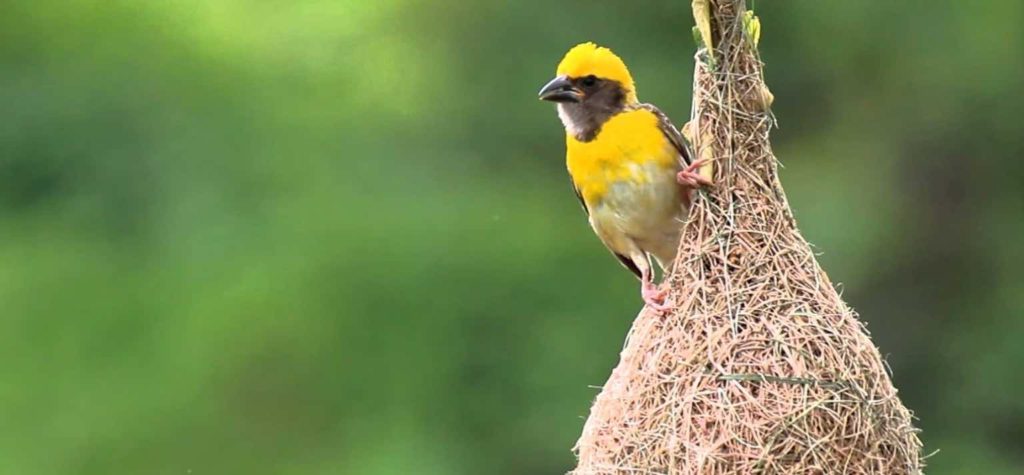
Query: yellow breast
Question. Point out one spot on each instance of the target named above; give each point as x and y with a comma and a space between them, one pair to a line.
627, 140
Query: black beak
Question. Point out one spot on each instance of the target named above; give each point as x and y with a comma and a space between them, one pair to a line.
560, 89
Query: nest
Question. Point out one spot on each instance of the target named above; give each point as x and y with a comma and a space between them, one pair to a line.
761, 367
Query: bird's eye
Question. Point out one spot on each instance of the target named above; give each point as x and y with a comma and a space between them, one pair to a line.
589, 81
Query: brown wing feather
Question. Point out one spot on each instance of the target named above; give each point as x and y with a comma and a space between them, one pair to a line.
628, 263
579, 196
671, 133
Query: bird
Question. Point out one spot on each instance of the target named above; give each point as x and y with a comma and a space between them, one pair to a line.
632, 170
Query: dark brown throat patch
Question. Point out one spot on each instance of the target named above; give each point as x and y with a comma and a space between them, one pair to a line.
602, 99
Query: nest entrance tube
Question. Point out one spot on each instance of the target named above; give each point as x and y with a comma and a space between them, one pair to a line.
760, 367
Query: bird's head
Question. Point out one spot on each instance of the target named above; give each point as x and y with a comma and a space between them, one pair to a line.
591, 84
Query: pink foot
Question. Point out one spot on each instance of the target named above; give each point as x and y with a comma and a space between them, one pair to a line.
654, 297
690, 176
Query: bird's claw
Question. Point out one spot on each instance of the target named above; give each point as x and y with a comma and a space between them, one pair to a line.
691, 177
655, 298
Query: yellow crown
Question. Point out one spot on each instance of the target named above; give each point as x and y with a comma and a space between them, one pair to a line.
585, 59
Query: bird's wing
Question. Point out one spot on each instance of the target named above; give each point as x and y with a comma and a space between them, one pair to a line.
626, 262
629, 264
671, 133
579, 196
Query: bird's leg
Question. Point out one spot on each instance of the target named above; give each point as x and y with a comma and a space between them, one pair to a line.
652, 295
690, 176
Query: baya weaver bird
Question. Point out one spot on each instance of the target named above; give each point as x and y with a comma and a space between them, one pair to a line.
630, 167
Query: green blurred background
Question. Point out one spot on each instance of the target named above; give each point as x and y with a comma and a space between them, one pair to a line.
323, 237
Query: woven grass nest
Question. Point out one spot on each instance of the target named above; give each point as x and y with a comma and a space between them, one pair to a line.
761, 367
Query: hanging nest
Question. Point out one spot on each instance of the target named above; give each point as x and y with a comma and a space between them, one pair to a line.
761, 367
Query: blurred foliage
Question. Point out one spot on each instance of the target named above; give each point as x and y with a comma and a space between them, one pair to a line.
302, 237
